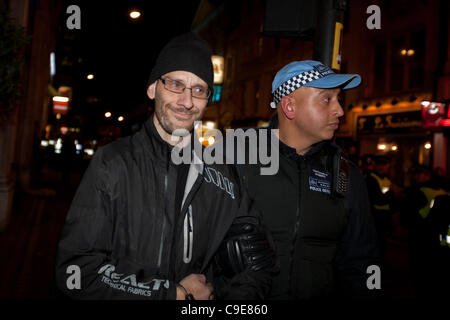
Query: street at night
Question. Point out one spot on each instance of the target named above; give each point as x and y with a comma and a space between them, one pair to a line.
338, 117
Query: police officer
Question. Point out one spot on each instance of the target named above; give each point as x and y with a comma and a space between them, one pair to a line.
316, 206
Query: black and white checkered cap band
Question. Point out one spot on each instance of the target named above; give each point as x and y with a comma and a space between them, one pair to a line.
294, 83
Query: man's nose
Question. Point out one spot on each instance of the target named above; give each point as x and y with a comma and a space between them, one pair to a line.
185, 98
338, 109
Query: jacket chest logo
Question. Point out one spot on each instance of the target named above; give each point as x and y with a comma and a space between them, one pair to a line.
217, 178
319, 181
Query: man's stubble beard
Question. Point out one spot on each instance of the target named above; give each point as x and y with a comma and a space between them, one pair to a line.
169, 127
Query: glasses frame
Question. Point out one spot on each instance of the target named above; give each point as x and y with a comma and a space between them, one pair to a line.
208, 92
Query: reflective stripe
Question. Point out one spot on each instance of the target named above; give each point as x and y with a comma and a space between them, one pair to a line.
382, 207
188, 236
195, 169
445, 239
384, 184
430, 194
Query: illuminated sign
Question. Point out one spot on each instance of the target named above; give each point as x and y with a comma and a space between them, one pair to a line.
52, 64
218, 66
60, 105
216, 93
398, 122
434, 114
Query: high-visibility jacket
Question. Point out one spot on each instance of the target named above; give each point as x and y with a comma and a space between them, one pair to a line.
430, 194
385, 185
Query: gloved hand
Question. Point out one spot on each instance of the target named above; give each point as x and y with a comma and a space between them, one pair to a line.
247, 246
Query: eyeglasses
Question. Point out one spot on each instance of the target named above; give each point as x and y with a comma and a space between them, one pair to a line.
179, 87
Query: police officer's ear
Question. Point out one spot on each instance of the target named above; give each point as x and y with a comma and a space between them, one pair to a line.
151, 90
288, 107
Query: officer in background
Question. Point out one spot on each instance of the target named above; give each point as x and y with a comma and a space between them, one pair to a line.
366, 164
440, 216
382, 198
425, 214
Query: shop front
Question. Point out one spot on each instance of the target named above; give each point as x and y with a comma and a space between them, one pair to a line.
409, 135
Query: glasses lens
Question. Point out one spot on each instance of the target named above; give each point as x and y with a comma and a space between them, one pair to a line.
178, 87
200, 92
173, 85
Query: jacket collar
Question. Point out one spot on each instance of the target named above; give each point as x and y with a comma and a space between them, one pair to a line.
162, 150
156, 145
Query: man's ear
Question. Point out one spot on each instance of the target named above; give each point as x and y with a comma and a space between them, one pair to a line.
151, 90
288, 107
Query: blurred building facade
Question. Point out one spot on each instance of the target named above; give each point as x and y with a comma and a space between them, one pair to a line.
234, 31
21, 131
402, 64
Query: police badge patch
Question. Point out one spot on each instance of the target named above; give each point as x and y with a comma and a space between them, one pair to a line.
319, 181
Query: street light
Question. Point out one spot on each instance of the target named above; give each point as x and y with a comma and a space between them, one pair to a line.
90, 76
135, 14
60, 99
107, 114
120, 118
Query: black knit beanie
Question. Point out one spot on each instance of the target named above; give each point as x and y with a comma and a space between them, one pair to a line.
186, 52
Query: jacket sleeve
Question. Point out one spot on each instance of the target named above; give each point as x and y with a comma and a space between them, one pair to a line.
357, 249
250, 285
86, 266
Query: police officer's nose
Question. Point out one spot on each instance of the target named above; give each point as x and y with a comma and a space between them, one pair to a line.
338, 109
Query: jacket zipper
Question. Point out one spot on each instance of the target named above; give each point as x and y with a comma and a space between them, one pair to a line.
161, 241
296, 226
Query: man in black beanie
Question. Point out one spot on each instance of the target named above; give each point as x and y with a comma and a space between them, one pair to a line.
142, 227
183, 67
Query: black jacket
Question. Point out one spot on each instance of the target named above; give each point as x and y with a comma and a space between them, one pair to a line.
324, 244
123, 233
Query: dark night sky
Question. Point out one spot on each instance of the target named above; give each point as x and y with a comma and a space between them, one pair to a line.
120, 51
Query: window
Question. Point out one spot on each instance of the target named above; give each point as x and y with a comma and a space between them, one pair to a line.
417, 60
379, 66
399, 63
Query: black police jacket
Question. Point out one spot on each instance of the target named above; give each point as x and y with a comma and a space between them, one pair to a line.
325, 244
121, 238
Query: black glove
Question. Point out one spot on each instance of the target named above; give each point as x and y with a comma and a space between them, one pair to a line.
245, 247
